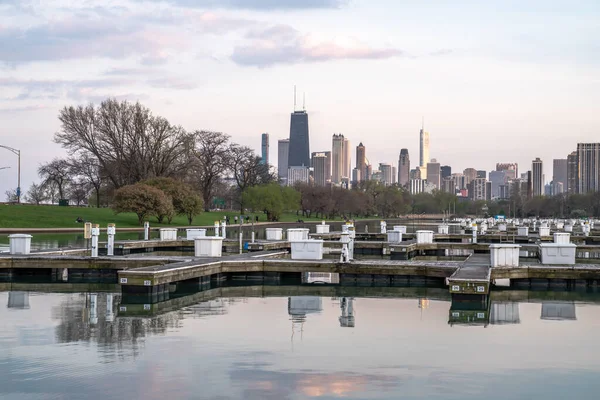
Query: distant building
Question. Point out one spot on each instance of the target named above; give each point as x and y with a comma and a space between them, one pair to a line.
572, 186
588, 158
448, 185
481, 174
434, 173
297, 174
559, 171
299, 150
346, 161
423, 148
361, 162
386, 173
416, 186
403, 168
446, 171
394, 175
283, 149
537, 169
470, 174
497, 178
512, 169
264, 148
337, 158
321, 163
477, 189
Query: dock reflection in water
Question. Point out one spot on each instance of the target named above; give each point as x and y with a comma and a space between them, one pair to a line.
233, 342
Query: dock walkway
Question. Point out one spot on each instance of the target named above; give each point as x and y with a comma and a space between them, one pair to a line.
473, 277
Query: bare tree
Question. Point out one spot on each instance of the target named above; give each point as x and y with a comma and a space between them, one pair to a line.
11, 196
129, 143
57, 172
36, 194
210, 162
88, 169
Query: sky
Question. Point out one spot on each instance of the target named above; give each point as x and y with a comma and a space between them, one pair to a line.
495, 81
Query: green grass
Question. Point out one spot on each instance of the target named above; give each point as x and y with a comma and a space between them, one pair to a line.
30, 216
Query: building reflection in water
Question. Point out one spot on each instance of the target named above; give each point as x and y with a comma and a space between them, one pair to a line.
502, 313
18, 300
558, 311
347, 309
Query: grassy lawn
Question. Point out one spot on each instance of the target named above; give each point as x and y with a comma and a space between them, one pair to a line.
31, 216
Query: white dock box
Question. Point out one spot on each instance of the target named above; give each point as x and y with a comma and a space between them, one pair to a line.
504, 255
191, 234
424, 237
307, 249
297, 234
401, 228
322, 228
502, 227
558, 253
443, 229
394, 236
562, 237
168, 233
274, 233
20, 243
523, 231
544, 231
208, 246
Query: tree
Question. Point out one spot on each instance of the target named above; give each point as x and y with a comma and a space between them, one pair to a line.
57, 173
273, 199
36, 194
11, 196
129, 143
87, 168
211, 159
143, 200
247, 169
184, 200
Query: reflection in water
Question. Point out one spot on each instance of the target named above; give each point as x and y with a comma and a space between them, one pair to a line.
224, 345
558, 311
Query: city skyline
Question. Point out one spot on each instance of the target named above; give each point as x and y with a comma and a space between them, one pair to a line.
529, 91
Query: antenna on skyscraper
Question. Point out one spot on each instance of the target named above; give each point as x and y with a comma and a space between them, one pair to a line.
303, 101
294, 97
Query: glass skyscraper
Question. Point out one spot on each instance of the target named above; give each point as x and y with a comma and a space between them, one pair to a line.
299, 151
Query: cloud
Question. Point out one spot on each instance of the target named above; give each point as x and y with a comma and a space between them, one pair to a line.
53, 89
261, 5
172, 83
281, 44
23, 109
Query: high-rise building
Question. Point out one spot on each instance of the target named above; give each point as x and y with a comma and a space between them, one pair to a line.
559, 171
299, 150
497, 179
434, 173
346, 161
321, 163
588, 158
361, 162
481, 174
423, 148
477, 189
446, 171
511, 168
264, 148
297, 174
386, 173
283, 149
394, 175
537, 171
416, 186
572, 185
470, 174
337, 158
403, 168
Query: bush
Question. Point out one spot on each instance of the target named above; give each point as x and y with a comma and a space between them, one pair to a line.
143, 200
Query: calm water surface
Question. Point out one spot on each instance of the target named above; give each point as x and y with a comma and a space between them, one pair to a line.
78, 346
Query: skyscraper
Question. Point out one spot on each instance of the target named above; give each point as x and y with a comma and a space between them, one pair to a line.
446, 171
321, 163
283, 148
394, 175
264, 147
434, 173
386, 173
559, 171
404, 168
346, 160
337, 158
572, 185
497, 178
361, 162
470, 174
297, 174
588, 160
423, 148
481, 173
299, 150
511, 168
537, 172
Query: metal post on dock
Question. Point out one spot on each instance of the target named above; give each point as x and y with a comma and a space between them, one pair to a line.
95, 235
217, 228
223, 231
474, 229
110, 246
241, 238
146, 230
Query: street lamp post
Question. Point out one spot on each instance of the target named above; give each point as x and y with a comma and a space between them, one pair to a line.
18, 154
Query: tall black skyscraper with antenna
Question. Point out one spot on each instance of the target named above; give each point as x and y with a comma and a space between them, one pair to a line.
299, 153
